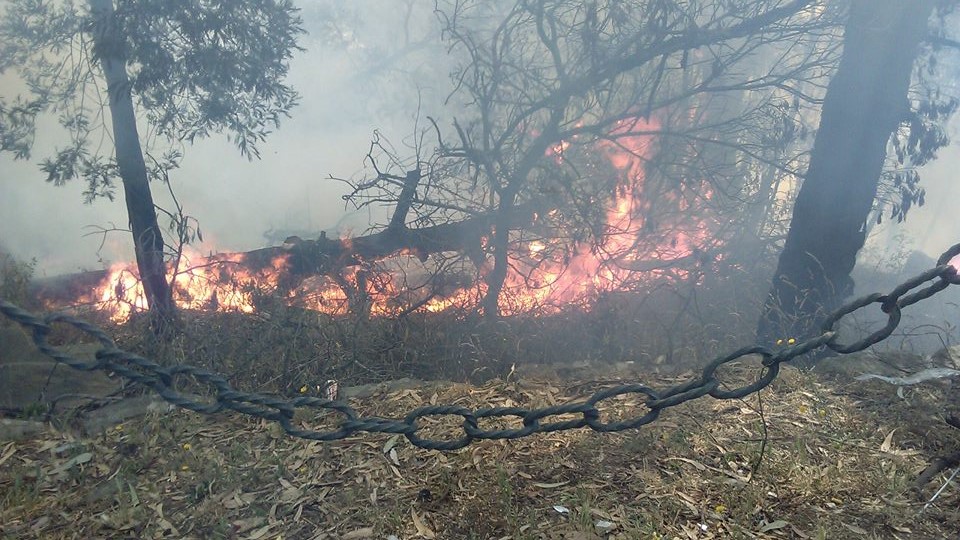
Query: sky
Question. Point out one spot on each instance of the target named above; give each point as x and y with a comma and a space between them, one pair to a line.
237, 201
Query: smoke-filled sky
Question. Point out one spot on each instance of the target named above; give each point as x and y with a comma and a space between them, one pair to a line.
346, 95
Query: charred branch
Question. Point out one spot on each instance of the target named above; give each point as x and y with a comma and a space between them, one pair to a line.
325, 256
939, 464
407, 196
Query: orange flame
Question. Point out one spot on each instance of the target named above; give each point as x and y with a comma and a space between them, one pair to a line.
542, 276
218, 282
545, 282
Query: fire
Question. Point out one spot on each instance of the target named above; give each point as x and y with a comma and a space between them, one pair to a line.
218, 282
622, 257
545, 274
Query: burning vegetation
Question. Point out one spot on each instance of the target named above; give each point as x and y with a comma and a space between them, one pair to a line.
401, 273
603, 196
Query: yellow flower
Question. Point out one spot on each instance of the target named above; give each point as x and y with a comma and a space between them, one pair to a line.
186, 446
184, 467
791, 341
119, 427
303, 389
779, 342
720, 509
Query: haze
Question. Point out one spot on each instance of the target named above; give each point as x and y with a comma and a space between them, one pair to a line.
344, 99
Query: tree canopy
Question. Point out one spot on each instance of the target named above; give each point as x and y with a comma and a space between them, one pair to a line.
188, 68
195, 68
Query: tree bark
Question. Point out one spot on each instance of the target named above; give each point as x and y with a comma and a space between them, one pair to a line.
147, 237
495, 278
865, 102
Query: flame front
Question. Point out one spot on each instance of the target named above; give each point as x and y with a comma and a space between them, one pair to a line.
220, 282
549, 280
545, 274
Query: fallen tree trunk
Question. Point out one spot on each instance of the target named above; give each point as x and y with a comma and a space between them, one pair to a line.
306, 258
66, 287
325, 256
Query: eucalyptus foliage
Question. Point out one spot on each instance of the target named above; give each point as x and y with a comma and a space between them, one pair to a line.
196, 67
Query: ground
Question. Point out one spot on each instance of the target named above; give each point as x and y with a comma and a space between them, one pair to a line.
809, 457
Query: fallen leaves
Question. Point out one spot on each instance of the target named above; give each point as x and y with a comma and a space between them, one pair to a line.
685, 477
423, 530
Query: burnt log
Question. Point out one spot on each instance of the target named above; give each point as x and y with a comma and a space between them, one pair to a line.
323, 256
66, 287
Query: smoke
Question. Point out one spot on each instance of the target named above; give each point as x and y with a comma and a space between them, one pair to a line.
361, 71
346, 95
932, 228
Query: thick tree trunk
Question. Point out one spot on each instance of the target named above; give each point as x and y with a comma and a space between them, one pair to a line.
865, 102
324, 256
147, 237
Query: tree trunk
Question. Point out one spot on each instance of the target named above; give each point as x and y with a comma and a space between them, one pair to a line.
865, 102
495, 278
147, 237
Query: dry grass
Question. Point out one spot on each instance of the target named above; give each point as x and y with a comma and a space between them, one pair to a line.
837, 464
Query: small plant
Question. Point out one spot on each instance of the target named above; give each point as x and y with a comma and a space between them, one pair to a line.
25, 489
34, 411
583, 502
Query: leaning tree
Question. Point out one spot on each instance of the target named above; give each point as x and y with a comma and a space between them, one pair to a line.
875, 130
186, 69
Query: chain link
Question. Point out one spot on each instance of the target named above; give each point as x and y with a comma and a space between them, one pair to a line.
163, 379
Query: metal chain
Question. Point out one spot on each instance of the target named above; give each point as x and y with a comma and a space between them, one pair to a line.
163, 379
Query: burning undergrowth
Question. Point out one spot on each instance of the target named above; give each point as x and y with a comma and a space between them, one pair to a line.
280, 348
619, 242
